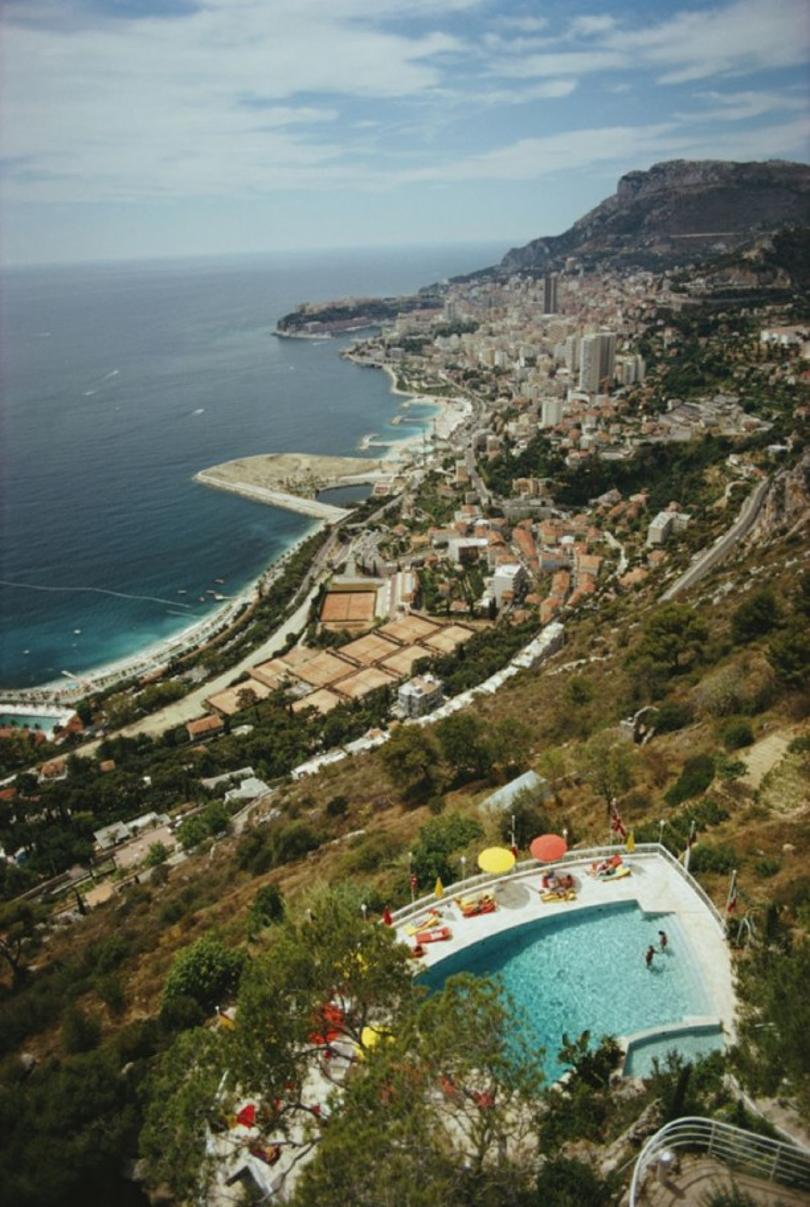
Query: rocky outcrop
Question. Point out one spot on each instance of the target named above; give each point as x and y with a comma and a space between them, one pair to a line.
678, 212
786, 508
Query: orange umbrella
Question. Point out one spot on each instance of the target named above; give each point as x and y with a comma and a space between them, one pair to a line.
548, 848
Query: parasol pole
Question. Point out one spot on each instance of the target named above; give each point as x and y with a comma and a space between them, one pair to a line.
687, 855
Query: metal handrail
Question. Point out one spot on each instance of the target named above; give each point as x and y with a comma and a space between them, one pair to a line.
760, 1156
643, 850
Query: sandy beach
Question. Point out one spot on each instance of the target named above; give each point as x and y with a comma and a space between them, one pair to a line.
156, 655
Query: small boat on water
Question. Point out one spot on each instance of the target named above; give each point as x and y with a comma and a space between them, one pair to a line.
182, 591
219, 580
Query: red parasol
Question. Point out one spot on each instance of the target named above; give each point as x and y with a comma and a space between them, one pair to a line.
548, 848
247, 1115
387, 917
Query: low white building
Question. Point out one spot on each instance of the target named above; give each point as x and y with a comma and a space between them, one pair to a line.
420, 695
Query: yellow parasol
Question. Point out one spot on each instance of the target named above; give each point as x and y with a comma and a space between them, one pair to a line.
630, 845
438, 888
496, 860
369, 1038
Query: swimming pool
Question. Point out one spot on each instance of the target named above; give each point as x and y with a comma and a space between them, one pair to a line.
585, 970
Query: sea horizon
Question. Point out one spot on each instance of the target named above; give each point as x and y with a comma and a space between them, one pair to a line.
121, 379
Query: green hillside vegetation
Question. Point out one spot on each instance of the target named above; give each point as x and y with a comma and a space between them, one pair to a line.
133, 985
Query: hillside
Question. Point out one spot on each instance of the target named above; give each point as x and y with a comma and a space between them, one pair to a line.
677, 212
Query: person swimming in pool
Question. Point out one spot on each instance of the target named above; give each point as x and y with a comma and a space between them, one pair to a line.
663, 941
649, 956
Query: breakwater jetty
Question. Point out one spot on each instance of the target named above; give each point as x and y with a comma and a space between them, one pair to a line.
293, 480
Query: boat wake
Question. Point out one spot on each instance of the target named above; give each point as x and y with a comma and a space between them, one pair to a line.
95, 591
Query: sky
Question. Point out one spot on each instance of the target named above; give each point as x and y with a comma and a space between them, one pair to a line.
148, 128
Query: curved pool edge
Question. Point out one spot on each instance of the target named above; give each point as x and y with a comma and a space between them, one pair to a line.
655, 886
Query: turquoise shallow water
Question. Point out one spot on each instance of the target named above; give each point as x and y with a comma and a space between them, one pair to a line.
585, 971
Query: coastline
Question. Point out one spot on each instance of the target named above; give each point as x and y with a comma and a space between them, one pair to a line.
150, 658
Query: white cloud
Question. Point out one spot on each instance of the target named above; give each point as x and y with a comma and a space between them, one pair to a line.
625, 146
526, 25
588, 26
202, 104
548, 90
742, 106
741, 37
574, 62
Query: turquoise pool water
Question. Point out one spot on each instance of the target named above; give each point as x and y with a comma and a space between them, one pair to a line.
696, 1041
585, 971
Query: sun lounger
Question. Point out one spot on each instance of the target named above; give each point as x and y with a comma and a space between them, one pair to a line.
432, 920
472, 906
558, 895
434, 936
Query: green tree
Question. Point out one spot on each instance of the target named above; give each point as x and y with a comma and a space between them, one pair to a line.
673, 636
192, 832
182, 1103
19, 937
757, 615
608, 764
553, 764
266, 908
464, 745
569, 1182
411, 760
789, 654
510, 741
205, 972
158, 853
772, 1053
438, 839
443, 1114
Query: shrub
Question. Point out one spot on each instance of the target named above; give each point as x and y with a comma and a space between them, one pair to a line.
673, 715
80, 1032
756, 616
267, 908
530, 817
737, 734
338, 806
696, 776
204, 972
713, 859
767, 867
192, 832
158, 853
567, 1182
438, 839
293, 841
371, 852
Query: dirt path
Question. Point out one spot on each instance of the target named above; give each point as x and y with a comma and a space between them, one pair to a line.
765, 754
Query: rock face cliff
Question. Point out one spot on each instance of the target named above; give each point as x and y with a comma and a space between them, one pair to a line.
676, 213
786, 509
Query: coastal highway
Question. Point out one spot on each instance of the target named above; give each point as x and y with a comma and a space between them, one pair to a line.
708, 558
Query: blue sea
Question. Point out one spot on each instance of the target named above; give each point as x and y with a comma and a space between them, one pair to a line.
119, 382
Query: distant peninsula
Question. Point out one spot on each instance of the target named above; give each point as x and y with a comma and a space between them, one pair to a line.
322, 320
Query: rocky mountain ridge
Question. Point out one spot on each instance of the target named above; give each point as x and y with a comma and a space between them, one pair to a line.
677, 212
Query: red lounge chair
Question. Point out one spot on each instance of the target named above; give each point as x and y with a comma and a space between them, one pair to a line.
434, 936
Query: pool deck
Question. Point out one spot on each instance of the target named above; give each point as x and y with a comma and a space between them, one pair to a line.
656, 886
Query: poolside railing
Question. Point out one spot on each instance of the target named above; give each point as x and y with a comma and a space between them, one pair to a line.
746, 1152
643, 851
